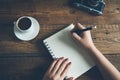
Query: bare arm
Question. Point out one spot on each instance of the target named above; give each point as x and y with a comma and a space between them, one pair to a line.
108, 71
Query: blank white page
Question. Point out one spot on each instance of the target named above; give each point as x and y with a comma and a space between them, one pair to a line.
61, 44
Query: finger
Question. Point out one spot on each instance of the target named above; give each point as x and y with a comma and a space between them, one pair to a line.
64, 73
62, 66
82, 27
52, 65
76, 36
57, 65
78, 26
71, 78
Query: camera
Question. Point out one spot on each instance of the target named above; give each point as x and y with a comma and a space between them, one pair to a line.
95, 7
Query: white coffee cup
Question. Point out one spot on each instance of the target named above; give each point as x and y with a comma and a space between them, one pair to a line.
26, 28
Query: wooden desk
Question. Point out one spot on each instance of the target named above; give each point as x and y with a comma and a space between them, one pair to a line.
28, 60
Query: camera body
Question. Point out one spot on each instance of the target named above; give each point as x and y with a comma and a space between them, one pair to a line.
95, 7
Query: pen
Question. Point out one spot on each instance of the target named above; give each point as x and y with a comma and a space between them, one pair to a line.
78, 31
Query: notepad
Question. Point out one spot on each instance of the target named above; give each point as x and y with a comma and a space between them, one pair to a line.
61, 44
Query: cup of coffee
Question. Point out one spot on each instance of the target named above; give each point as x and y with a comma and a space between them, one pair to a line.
24, 24
26, 28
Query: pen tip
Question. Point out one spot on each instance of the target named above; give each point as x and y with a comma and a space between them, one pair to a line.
95, 27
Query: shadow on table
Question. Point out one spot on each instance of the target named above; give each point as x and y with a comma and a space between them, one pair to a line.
23, 66
92, 74
7, 32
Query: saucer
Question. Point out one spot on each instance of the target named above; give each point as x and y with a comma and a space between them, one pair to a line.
26, 36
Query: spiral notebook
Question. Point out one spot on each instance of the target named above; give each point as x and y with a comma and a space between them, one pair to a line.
61, 44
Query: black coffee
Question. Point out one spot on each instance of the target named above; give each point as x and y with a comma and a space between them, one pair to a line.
24, 23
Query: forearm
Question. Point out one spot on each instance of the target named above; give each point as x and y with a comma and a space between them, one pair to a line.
108, 71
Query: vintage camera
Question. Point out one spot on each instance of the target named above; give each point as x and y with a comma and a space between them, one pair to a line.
93, 6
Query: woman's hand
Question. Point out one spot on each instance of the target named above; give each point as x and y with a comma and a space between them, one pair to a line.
58, 70
85, 38
103, 64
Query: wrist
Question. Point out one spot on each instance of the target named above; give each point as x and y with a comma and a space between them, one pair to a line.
92, 48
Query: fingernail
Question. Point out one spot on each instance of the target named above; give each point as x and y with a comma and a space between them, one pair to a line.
61, 58
56, 59
69, 63
71, 78
66, 59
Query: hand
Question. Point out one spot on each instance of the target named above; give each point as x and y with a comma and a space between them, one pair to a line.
58, 70
85, 38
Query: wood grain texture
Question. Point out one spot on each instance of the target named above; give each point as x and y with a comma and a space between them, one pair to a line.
20, 60
105, 37
33, 67
56, 12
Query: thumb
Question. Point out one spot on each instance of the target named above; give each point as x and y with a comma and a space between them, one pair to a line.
71, 78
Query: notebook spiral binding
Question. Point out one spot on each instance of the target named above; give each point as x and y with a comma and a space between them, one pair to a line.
50, 50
